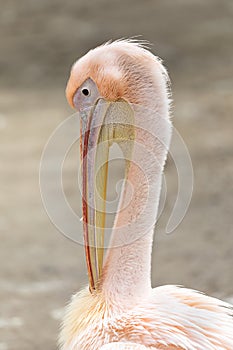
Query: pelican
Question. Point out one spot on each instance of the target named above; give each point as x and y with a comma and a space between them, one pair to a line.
120, 90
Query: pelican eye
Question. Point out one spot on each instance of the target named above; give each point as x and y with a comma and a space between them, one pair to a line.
85, 92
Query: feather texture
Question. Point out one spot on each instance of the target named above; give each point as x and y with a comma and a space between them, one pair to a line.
123, 346
170, 317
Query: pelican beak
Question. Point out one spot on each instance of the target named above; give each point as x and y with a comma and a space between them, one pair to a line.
94, 154
99, 129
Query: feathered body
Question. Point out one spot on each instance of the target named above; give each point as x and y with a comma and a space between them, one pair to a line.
170, 318
125, 312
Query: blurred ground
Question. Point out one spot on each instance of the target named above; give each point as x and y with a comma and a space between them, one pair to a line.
39, 40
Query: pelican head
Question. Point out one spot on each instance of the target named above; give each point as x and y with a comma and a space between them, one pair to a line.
104, 85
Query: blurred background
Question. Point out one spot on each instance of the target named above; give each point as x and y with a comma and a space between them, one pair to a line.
39, 40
